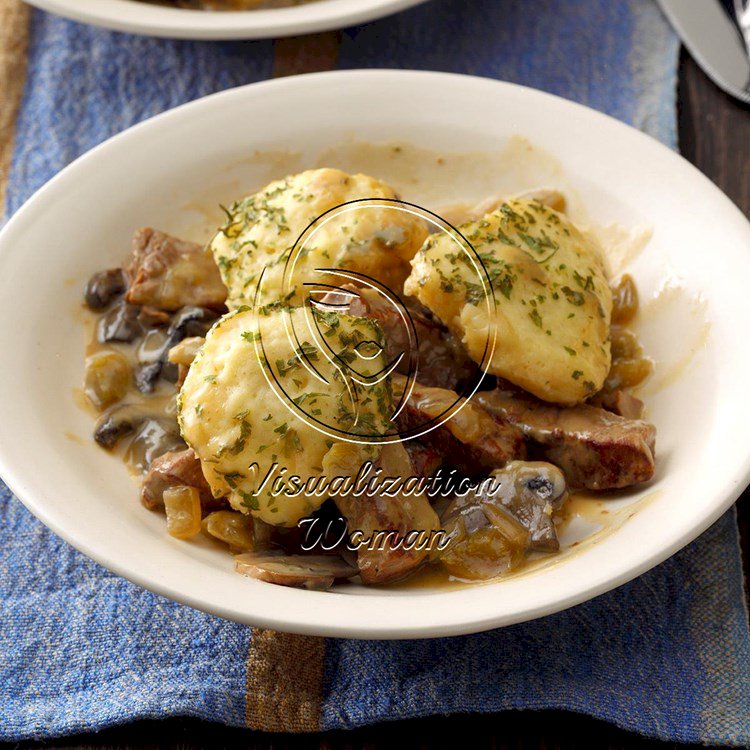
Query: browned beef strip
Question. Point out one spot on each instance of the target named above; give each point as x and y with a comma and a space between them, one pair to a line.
425, 459
382, 522
385, 521
172, 469
169, 273
620, 402
472, 441
441, 359
595, 448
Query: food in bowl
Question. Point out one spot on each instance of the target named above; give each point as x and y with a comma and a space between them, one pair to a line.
340, 385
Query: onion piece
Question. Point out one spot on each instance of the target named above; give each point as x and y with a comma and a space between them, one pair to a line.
230, 527
183, 507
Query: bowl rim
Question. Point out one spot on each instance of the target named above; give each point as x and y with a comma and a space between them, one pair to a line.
681, 534
179, 23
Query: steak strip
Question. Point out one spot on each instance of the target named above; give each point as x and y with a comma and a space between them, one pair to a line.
472, 440
595, 448
410, 331
169, 273
172, 469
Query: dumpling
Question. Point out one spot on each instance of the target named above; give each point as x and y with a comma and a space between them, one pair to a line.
254, 402
262, 229
550, 307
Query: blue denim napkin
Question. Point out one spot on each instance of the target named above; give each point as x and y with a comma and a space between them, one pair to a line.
81, 649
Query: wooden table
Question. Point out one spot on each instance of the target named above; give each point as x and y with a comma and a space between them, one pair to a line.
714, 134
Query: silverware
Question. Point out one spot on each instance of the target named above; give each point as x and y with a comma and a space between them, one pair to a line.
716, 43
742, 14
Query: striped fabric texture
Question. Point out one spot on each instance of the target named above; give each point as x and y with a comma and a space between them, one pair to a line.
666, 655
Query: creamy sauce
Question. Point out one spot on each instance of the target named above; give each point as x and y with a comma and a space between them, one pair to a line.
75, 438
451, 181
161, 403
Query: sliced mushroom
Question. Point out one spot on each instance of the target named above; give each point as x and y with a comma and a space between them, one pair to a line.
146, 376
299, 571
119, 324
192, 321
155, 437
116, 423
153, 353
104, 287
509, 513
151, 347
532, 491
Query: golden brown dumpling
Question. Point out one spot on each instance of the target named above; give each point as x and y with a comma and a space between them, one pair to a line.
551, 303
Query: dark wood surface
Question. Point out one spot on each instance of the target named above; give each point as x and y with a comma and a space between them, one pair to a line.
715, 136
543, 730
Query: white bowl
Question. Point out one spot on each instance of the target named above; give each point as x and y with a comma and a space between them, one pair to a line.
155, 20
693, 278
